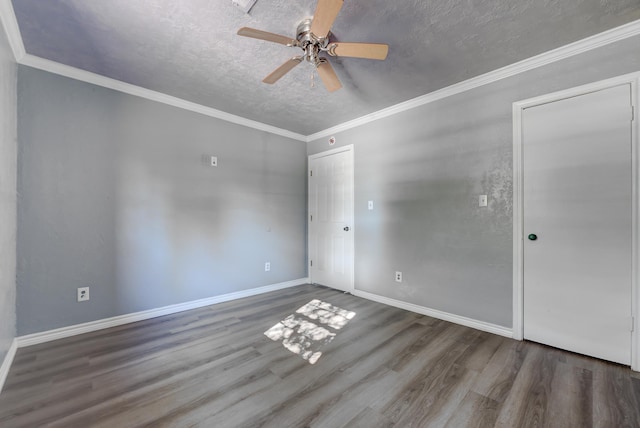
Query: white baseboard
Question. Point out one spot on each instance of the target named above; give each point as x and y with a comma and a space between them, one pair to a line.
60, 333
6, 364
457, 319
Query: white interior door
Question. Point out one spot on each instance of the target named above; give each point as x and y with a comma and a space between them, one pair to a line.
331, 219
577, 182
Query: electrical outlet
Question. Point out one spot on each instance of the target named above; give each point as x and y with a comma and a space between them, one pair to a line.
482, 201
214, 161
83, 294
267, 266
398, 276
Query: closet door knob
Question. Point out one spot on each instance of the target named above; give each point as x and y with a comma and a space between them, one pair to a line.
533, 237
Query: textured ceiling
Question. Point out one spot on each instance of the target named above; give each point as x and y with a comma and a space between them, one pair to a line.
189, 48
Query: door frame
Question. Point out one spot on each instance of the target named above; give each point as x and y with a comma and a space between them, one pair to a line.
518, 208
350, 149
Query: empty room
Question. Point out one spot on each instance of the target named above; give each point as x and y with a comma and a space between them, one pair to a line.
319, 213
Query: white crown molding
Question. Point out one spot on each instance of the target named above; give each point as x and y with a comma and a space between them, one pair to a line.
593, 42
10, 24
446, 316
74, 330
6, 363
127, 88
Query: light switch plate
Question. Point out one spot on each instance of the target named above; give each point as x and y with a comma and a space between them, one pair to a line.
482, 201
370, 205
214, 161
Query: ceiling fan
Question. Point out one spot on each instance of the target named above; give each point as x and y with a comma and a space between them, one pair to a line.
313, 37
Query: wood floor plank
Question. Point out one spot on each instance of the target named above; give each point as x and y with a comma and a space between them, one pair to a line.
614, 397
475, 411
426, 373
213, 366
185, 407
571, 400
442, 391
497, 378
527, 403
369, 418
344, 408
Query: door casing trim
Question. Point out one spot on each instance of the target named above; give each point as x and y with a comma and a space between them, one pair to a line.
346, 148
632, 79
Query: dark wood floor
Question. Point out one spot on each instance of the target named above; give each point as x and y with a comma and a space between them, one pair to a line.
213, 367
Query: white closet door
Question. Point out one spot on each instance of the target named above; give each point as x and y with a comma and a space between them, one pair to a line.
331, 220
577, 201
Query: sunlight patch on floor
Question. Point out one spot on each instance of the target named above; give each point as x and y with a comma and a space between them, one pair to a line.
302, 336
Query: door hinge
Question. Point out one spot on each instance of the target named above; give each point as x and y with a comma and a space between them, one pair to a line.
633, 323
311, 263
311, 217
633, 113
310, 173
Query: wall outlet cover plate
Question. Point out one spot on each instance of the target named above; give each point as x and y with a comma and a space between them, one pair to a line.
83, 294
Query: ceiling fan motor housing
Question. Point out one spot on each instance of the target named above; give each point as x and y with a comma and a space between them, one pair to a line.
309, 42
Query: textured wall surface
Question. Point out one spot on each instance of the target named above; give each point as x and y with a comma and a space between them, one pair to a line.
7, 196
424, 170
115, 195
189, 48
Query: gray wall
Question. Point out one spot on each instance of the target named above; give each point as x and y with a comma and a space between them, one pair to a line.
424, 170
114, 194
7, 196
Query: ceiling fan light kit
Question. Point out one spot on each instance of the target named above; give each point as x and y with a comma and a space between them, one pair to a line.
313, 37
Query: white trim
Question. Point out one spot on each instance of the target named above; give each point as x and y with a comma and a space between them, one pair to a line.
629, 78
347, 148
127, 88
331, 151
602, 39
10, 24
518, 208
635, 237
8, 360
60, 333
457, 319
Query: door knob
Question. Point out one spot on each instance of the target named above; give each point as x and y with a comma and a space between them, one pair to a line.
346, 228
533, 237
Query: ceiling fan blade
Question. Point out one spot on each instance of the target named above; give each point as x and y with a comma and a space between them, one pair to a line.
265, 35
328, 75
326, 12
282, 70
359, 50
